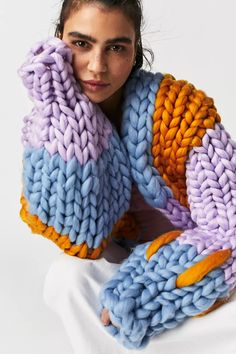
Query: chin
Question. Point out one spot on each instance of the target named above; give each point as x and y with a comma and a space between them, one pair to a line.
96, 98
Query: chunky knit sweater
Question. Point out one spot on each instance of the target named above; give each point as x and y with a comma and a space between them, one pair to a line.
77, 179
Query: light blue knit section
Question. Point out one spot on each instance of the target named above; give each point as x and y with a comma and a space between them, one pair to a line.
142, 297
83, 202
137, 126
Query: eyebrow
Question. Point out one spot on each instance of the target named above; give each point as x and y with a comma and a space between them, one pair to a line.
76, 34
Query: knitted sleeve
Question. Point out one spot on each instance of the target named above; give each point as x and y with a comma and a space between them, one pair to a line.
184, 163
76, 176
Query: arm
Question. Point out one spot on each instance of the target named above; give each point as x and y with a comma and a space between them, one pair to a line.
76, 182
181, 273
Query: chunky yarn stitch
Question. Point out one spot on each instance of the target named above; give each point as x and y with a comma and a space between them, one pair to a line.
143, 299
77, 176
182, 273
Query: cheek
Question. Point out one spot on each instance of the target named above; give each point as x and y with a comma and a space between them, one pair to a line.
122, 69
78, 65
76, 62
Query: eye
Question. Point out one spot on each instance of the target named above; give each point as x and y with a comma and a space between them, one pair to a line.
116, 48
80, 44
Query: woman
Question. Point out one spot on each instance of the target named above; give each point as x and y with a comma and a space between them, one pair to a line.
78, 173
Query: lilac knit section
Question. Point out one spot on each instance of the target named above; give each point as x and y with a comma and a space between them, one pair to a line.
63, 121
211, 188
178, 214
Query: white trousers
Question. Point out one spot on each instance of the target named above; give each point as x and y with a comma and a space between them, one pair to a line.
72, 287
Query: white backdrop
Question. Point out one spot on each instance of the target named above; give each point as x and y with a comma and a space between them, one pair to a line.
193, 40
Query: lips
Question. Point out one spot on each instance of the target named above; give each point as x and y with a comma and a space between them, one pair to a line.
93, 85
96, 83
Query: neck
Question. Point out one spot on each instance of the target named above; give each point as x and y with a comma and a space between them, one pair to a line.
112, 108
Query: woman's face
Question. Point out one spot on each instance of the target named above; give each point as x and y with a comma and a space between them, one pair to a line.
103, 46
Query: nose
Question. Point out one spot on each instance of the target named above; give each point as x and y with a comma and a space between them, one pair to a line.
97, 63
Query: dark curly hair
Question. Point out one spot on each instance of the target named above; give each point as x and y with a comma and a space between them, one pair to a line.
131, 8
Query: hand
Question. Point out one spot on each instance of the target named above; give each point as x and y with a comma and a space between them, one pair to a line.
159, 286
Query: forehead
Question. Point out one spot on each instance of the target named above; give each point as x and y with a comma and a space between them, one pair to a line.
96, 20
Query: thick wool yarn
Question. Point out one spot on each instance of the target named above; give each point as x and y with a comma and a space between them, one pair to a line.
182, 273
77, 177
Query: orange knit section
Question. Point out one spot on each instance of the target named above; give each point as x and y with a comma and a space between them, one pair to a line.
126, 227
182, 115
81, 251
198, 271
161, 241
